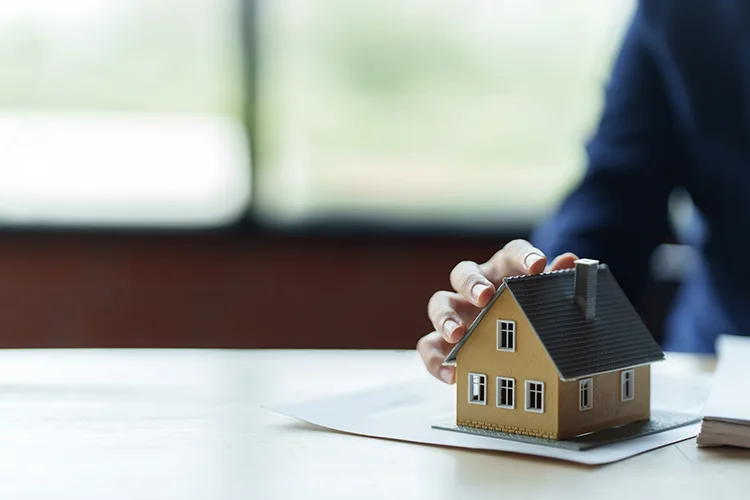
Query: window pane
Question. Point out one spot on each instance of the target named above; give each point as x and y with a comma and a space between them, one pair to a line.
428, 109
137, 104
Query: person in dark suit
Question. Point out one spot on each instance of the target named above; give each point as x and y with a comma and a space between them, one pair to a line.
676, 115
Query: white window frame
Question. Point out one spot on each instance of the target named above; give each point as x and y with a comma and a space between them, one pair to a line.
527, 391
509, 389
586, 385
511, 334
482, 382
623, 376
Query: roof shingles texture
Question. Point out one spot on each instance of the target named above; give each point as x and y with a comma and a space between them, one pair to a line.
616, 338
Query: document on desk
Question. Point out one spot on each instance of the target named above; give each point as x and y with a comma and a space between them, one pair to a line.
407, 411
726, 416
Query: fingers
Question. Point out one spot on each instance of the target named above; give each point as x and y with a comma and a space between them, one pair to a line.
450, 314
563, 261
433, 349
477, 283
516, 258
469, 280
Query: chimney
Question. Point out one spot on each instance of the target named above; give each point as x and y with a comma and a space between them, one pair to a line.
585, 286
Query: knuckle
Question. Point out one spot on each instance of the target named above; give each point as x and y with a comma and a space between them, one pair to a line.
436, 300
495, 263
518, 247
440, 320
435, 362
468, 280
518, 242
445, 314
425, 344
518, 252
459, 268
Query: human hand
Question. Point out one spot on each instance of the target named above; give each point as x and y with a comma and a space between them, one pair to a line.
451, 313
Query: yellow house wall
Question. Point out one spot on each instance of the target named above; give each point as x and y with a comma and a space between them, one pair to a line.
529, 362
608, 410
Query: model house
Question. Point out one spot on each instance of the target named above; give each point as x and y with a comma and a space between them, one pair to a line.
555, 355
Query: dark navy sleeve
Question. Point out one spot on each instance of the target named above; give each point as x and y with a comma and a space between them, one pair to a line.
618, 213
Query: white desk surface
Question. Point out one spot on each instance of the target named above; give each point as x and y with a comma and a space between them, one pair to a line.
187, 424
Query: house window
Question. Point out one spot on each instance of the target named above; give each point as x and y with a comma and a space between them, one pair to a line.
535, 396
506, 335
586, 394
627, 384
506, 393
477, 388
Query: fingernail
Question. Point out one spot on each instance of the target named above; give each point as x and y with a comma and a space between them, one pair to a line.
446, 375
449, 328
532, 259
477, 290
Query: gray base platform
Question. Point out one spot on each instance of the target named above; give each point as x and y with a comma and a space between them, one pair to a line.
660, 421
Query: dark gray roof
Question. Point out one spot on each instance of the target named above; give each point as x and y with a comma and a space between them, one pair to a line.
615, 339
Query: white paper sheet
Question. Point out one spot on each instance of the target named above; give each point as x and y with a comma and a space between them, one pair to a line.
406, 411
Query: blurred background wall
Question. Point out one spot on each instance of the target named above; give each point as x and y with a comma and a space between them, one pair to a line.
286, 173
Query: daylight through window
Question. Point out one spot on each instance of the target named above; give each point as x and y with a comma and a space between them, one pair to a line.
477, 388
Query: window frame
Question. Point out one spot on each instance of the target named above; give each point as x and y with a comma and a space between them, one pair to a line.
482, 384
510, 334
508, 390
585, 386
624, 379
527, 393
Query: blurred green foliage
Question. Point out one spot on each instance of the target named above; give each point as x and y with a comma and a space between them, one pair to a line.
142, 55
437, 108
412, 108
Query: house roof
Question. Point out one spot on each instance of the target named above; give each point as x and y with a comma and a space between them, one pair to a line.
615, 339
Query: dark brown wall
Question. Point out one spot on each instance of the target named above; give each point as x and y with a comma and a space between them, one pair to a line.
89, 290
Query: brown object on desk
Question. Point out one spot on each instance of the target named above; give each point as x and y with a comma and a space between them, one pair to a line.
187, 425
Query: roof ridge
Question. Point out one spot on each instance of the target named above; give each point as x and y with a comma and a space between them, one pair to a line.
544, 274
538, 275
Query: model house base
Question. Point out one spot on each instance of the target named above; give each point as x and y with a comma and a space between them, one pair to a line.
660, 421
